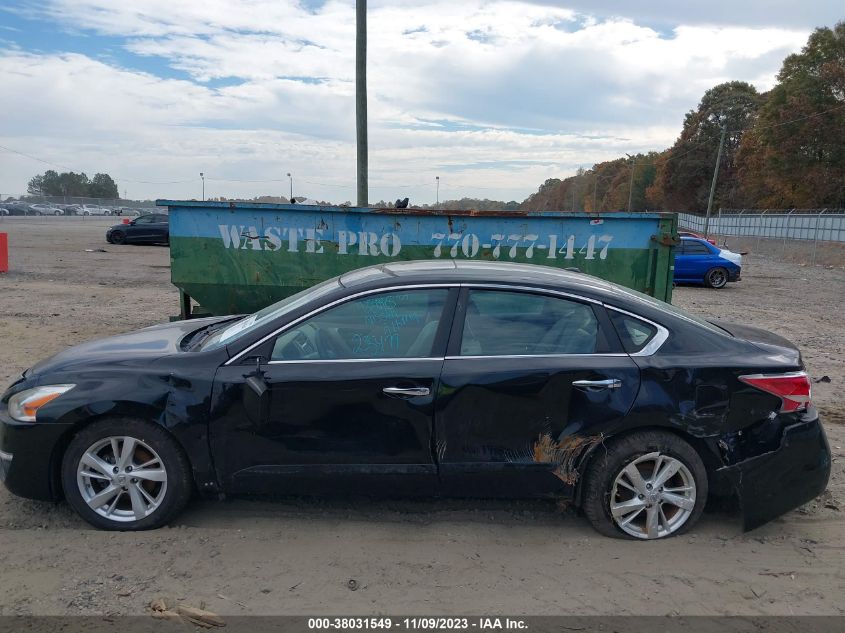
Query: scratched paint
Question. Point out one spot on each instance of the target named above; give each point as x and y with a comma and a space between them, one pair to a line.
564, 454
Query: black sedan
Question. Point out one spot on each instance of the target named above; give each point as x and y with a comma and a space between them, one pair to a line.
153, 228
452, 378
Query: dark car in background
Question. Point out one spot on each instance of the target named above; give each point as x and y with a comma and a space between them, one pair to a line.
153, 228
431, 377
18, 207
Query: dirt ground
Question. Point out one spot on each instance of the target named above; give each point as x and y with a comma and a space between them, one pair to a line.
407, 557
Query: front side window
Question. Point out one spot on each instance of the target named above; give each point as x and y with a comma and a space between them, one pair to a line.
398, 324
504, 323
147, 219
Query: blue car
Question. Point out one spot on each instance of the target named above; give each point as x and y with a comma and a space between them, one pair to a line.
699, 262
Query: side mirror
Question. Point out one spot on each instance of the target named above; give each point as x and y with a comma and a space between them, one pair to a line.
132, 222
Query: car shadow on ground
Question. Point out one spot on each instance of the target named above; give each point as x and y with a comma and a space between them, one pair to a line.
247, 512
251, 512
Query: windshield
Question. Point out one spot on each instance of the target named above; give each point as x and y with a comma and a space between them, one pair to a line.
244, 326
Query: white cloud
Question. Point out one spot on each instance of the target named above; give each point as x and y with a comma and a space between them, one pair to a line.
495, 97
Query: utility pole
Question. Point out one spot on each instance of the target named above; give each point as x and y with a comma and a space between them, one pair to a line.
291, 188
202, 175
361, 100
631, 186
437, 178
713, 183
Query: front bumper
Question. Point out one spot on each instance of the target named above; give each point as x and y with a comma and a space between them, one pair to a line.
5, 464
735, 275
30, 470
781, 480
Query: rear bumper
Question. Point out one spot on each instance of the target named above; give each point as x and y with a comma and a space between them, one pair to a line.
776, 482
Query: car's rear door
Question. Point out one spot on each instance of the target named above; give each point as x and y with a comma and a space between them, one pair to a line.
159, 229
349, 399
140, 229
529, 377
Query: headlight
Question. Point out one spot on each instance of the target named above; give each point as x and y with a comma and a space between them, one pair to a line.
24, 405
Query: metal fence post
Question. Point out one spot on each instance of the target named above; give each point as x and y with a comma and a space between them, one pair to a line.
816, 235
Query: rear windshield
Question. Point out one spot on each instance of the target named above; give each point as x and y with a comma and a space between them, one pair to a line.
254, 321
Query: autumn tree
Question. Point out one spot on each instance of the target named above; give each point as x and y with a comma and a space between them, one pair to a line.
684, 176
794, 156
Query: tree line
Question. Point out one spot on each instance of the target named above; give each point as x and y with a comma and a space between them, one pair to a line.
52, 183
784, 148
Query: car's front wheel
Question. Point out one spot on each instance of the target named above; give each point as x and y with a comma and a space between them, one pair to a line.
118, 237
647, 485
716, 278
125, 474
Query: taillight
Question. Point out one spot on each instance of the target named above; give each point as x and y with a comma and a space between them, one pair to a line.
793, 388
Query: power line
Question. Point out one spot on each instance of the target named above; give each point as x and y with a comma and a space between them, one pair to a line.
121, 178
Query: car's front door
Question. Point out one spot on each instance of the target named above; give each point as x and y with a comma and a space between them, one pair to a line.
530, 381
693, 261
140, 229
348, 398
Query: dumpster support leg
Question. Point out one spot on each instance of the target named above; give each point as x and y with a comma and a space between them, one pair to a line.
184, 305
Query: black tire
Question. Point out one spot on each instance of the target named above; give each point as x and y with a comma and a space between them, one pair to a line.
118, 237
716, 278
173, 460
610, 460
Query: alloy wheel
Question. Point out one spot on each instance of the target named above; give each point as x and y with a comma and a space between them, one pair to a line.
717, 278
652, 496
122, 479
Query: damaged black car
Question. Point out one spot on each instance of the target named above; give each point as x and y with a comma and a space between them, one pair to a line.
427, 378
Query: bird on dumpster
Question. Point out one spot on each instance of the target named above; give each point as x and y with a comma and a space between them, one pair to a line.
401, 204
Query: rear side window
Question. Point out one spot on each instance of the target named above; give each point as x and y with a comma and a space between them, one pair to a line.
505, 323
694, 248
635, 334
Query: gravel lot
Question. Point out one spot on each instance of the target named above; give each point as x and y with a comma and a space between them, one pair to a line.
408, 557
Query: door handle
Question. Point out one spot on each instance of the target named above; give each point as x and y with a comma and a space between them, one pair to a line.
407, 391
598, 385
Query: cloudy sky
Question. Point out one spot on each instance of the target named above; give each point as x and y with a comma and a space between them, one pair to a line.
492, 96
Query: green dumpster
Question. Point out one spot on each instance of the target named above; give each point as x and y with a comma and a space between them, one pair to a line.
237, 257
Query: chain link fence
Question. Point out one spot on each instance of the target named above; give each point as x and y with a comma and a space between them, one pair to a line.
799, 234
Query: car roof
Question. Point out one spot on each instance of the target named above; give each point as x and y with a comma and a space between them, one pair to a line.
474, 271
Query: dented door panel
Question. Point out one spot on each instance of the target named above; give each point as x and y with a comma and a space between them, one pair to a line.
522, 424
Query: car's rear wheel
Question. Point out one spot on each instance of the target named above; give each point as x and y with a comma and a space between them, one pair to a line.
716, 278
118, 237
647, 485
125, 474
